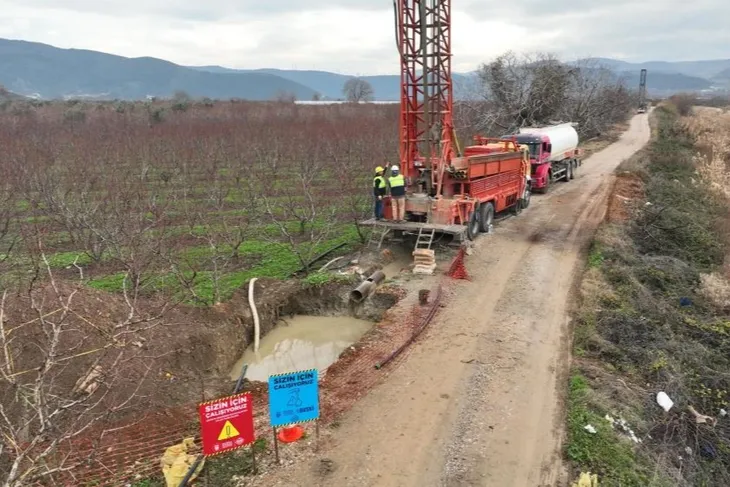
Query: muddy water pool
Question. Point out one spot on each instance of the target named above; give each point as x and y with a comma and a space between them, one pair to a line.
301, 342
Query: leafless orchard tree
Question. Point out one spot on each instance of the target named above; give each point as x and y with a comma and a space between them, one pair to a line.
305, 217
352, 169
64, 374
222, 237
8, 210
357, 90
518, 91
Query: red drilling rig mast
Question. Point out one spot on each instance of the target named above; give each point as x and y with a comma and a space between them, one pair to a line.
423, 30
447, 192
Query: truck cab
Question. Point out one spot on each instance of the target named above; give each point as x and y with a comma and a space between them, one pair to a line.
539, 148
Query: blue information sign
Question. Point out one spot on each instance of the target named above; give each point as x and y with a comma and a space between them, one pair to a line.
293, 397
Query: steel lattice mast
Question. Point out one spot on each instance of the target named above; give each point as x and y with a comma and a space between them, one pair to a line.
423, 34
642, 88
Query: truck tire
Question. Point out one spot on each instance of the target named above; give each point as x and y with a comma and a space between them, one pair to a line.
568, 172
472, 229
486, 216
517, 207
526, 199
574, 163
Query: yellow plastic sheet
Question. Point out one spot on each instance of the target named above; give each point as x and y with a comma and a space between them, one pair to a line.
176, 461
586, 480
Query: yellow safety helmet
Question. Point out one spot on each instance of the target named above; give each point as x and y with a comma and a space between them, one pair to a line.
379, 169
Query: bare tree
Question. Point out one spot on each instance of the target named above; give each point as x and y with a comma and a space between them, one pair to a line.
357, 90
297, 200
539, 89
527, 91
63, 375
8, 210
222, 240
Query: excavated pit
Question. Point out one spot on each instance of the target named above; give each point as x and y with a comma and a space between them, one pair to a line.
300, 328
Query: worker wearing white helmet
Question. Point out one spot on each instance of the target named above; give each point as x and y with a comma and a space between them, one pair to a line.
397, 184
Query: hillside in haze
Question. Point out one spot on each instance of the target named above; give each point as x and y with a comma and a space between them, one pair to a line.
386, 87
43, 71
35, 69
699, 69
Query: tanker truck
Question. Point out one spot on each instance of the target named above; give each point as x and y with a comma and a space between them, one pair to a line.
554, 153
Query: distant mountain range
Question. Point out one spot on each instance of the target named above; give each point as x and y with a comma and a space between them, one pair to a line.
43, 71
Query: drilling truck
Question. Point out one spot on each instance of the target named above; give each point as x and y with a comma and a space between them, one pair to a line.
554, 153
448, 190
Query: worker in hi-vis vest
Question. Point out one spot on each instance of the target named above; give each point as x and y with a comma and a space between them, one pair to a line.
379, 191
397, 184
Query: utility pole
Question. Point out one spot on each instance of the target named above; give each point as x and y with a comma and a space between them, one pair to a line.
642, 90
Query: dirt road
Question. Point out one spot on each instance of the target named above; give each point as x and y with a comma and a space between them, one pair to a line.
479, 399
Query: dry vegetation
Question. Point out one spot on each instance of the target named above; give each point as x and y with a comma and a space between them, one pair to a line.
655, 317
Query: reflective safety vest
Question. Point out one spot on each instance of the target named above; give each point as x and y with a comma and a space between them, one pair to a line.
396, 181
379, 182
397, 185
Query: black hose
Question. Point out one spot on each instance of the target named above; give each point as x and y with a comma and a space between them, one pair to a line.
240, 379
397, 28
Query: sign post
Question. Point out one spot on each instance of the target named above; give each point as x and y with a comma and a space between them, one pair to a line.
226, 423
293, 398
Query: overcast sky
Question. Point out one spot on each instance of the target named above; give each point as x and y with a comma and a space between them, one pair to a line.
357, 36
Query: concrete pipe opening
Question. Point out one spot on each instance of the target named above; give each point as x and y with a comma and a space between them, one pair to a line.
361, 292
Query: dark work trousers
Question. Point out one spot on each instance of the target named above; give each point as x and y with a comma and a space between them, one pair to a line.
378, 209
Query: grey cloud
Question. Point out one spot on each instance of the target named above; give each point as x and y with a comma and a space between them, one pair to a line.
209, 10
698, 31
535, 12
637, 31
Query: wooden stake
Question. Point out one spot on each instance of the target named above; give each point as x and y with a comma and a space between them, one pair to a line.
276, 446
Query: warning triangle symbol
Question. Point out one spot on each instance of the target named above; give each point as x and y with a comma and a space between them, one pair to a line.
229, 431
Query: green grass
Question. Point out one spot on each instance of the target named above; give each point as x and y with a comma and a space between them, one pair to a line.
66, 259
595, 258
318, 279
271, 259
603, 452
220, 470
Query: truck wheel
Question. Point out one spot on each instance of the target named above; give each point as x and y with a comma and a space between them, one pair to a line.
574, 164
486, 216
472, 229
517, 208
568, 172
526, 199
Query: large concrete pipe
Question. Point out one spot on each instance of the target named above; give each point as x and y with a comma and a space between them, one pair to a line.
367, 286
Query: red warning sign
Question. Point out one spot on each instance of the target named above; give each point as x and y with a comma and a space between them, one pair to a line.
226, 423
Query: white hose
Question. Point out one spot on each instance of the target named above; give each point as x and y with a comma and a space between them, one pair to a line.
324, 267
252, 304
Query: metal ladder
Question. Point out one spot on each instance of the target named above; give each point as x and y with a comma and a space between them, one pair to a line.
425, 238
378, 235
